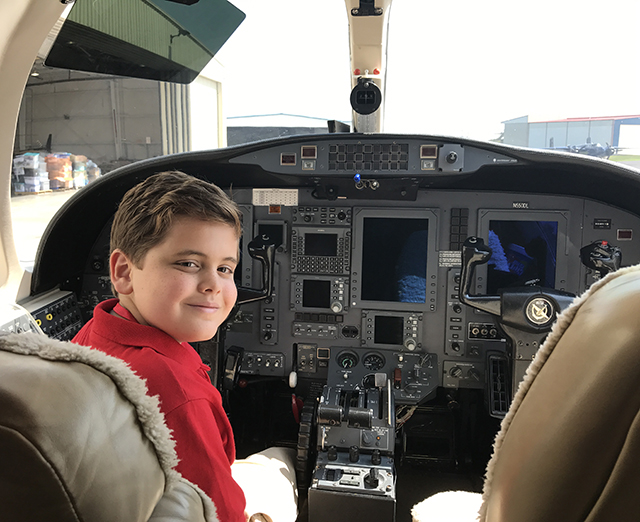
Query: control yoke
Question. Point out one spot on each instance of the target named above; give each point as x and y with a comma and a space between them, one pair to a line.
475, 252
601, 257
530, 308
263, 249
525, 314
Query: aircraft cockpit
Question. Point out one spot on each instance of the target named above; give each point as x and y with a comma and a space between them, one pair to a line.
393, 288
378, 276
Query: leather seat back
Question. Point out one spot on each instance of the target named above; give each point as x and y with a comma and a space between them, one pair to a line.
74, 445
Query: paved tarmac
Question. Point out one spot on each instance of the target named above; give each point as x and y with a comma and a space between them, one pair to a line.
30, 214
634, 164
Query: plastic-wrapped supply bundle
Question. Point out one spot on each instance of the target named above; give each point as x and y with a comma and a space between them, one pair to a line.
60, 171
79, 164
17, 174
93, 171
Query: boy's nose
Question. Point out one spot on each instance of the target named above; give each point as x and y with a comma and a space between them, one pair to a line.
210, 282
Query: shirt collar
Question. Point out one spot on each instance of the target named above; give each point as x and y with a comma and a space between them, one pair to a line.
125, 330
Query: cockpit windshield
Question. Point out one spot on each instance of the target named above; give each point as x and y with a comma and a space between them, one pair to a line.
554, 76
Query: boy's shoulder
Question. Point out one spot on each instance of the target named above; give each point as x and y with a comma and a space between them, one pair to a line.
172, 371
114, 330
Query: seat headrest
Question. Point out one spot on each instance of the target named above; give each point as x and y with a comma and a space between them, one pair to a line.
72, 445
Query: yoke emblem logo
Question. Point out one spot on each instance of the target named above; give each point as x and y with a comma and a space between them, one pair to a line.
540, 311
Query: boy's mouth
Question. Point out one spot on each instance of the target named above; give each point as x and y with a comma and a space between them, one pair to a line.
210, 308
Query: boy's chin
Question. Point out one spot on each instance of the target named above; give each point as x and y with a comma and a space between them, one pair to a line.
193, 337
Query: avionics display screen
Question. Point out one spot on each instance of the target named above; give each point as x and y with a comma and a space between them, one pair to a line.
388, 330
524, 254
394, 259
321, 245
275, 232
316, 294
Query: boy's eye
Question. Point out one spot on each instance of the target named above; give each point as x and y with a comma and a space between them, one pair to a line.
187, 264
226, 269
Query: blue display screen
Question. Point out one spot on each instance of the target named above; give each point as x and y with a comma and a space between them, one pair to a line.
394, 260
524, 254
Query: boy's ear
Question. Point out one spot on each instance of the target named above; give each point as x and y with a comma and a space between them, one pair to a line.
120, 269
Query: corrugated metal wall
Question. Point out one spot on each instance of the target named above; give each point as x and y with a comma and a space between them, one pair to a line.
112, 119
542, 135
122, 19
105, 119
174, 117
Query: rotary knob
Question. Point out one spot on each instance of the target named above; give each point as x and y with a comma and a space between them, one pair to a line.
456, 372
367, 438
474, 375
410, 344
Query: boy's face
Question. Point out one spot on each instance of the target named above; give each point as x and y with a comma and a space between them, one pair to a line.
185, 285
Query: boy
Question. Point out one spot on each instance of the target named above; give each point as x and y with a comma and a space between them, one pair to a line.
174, 248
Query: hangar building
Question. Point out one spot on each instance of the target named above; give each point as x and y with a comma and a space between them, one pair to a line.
617, 131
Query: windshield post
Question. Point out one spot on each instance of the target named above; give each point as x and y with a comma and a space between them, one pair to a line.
368, 30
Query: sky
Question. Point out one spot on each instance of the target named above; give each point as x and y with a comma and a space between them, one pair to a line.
455, 67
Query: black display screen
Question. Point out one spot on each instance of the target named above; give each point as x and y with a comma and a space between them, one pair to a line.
320, 244
316, 294
524, 254
274, 232
394, 260
388, 330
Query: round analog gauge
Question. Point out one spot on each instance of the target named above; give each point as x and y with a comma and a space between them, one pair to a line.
373, 361
347, 360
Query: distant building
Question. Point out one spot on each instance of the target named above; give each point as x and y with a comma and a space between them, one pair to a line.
617, 131
245, 129
114, 120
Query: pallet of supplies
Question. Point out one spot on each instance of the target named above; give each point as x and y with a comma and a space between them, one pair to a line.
79, 164
60, 171
93, 171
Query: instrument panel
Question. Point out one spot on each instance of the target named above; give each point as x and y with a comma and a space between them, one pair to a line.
377, 290
367, 264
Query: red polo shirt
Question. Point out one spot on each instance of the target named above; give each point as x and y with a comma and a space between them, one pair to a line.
192, 406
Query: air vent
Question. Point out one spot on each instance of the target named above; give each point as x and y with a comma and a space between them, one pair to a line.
499, 386
355, 157
459, 228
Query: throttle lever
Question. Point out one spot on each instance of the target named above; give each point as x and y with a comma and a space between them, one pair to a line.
475, 252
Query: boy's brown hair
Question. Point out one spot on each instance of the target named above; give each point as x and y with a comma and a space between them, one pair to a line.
148, 210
